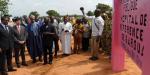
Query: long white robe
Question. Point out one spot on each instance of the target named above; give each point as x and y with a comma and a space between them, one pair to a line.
65, 37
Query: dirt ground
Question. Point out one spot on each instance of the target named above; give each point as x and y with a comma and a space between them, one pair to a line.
76, 64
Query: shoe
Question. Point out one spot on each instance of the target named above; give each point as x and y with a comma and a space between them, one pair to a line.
3, 73
11, 70
65, 54
93, 58
40, 59
18, 66
44, 63
24, 64
50, 62
90, 58
34, 61
55, 56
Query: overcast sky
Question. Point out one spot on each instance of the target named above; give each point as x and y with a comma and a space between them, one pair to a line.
24, 7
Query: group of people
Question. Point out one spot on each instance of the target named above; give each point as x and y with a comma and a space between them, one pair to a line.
39, 36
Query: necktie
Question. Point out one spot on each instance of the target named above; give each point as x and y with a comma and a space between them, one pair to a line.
18, 28
6, 28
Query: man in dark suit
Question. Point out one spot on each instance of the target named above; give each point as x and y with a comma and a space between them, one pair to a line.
6, 46
56, 37
20, 41
48, 32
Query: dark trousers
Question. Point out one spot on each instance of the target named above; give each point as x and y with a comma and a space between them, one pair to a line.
85, 44
6, 60
20, 51
48, 46
3, 61
56, 46
36, 48
9, 58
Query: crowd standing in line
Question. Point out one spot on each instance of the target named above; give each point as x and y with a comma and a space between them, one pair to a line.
40, 34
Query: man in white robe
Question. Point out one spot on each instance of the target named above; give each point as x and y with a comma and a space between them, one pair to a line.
65, 30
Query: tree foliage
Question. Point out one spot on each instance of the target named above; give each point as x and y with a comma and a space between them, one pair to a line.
90, 13
106, 35
52, 13
103, 7
4, 7
35, 13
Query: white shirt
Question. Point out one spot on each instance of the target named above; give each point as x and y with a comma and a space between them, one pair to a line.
97, 30
18, 28
5, 27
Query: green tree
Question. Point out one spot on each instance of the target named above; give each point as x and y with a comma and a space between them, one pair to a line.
4, 7
106, 35
52, 13
35, 13
104, 7
90, 13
